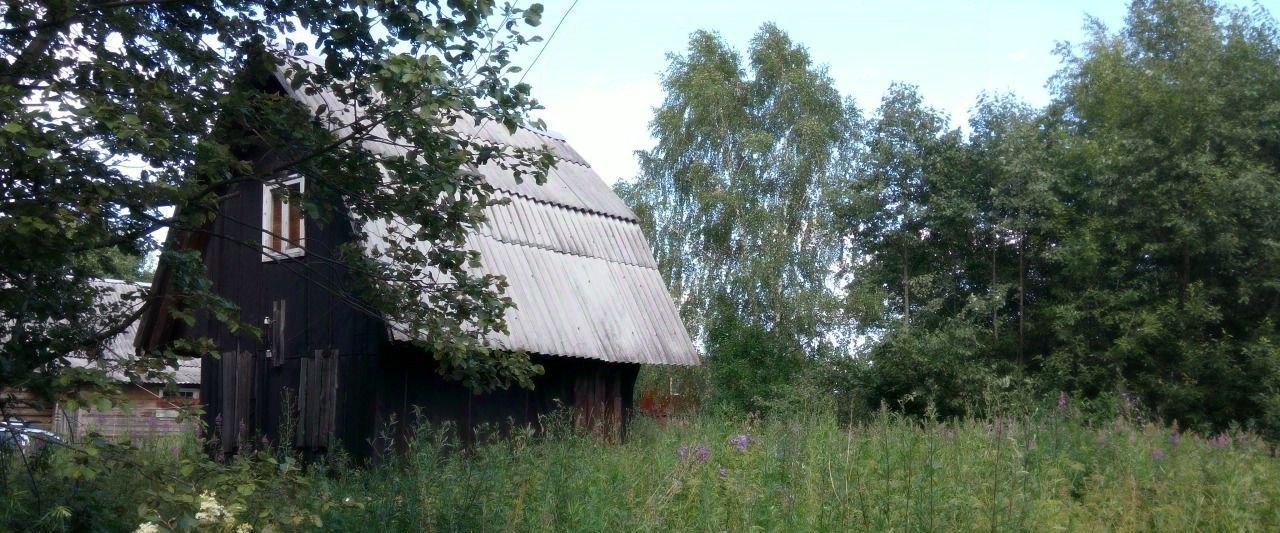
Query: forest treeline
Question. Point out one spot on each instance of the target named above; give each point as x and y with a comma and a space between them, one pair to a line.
1118, 246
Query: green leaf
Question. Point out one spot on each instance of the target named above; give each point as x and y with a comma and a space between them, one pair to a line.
533, 15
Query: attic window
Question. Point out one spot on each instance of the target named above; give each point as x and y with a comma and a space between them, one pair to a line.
284, 231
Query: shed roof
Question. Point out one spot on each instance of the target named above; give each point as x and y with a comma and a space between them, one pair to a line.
579, 269
121, 347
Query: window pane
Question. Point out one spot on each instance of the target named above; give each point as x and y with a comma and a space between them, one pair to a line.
276, 220
295, 225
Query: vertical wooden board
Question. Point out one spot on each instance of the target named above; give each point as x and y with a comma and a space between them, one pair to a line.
347, 409
211, 390
323, 394
619, 415
324, 361
321, 369
315, 394
279, 349
332, 405
244, 397
259, 396
300, 420
228, 427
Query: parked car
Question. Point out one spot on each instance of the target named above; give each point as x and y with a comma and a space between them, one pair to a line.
21, 436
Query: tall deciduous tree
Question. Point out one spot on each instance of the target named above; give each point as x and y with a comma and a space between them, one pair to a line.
122, 118
914, 220
1169, 264
1119, 242
736, 196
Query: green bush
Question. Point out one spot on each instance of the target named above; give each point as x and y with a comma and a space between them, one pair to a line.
751, 366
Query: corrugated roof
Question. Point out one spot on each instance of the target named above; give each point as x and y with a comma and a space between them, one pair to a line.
579, 269
121, 346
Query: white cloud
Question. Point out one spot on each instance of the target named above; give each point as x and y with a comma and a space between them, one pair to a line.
604, 121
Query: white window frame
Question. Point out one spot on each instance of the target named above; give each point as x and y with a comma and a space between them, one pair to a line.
268, 213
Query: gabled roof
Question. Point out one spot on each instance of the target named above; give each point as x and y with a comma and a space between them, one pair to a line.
579, 269
121, 347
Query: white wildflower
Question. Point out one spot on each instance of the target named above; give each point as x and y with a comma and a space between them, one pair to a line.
147, 527
210, 510
244, 528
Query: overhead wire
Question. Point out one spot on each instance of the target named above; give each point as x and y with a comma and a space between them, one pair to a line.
547, 43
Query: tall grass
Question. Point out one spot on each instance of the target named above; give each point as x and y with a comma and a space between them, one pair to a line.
803, 473
810, 473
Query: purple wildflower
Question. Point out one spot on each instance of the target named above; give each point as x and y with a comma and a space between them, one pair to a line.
702, 453
1220, 441
1175, 439
1157, 454
724, 472
1063, 402
682, 451
741, 441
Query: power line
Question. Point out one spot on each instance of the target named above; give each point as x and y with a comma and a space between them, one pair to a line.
548, 41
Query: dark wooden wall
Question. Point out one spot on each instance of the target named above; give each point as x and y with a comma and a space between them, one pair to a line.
409, 392
317, 401
368, 404
319, 314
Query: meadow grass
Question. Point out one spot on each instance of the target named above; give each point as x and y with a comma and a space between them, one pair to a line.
710, 472
810, 473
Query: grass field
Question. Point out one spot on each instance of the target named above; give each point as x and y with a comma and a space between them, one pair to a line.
707, 474
719, 473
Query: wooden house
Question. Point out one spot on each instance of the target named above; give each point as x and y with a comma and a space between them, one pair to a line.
590, 306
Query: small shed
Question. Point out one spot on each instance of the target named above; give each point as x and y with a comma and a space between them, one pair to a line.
152, 410
591, 307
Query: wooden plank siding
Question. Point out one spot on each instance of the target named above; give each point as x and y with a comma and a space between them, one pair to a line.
18, 403
303, 306
150, 413
412, 395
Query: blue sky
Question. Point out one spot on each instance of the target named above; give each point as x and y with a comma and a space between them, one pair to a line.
599, 77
